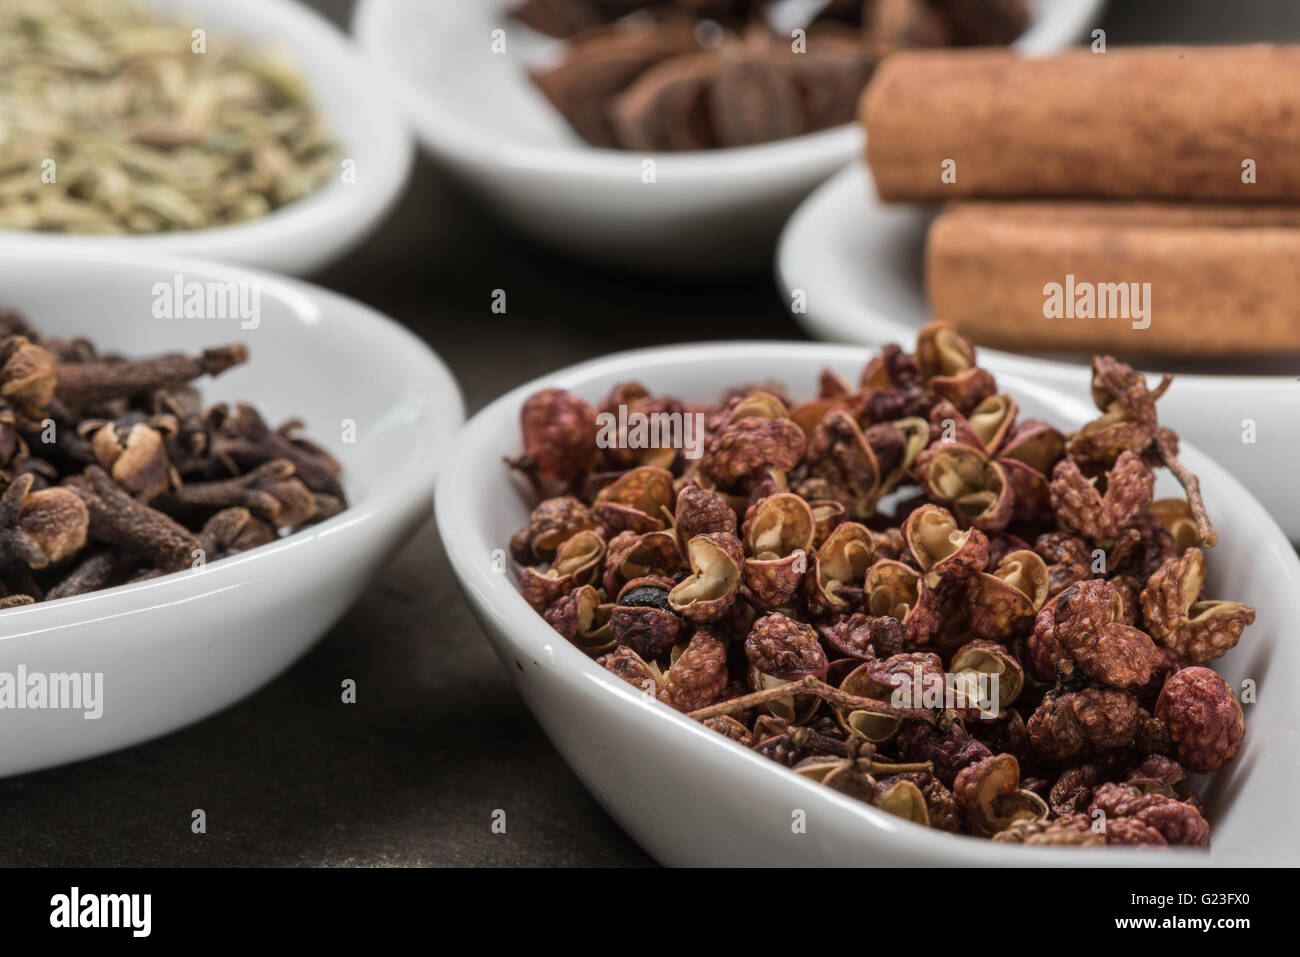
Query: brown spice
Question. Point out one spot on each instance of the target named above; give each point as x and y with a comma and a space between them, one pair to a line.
706, 74
110, 471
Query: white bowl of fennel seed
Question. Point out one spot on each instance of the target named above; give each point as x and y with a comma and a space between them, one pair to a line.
239, 130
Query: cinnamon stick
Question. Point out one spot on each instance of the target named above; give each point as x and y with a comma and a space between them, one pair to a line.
1138, 122
1133, 278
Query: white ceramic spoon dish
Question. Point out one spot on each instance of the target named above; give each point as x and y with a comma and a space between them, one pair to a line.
305, 235
183, 646
691, 797
858, 263
477, 112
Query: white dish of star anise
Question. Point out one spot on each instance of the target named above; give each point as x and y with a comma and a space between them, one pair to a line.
660, 139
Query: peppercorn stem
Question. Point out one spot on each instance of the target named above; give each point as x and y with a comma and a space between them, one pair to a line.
842, 699
886, 767
753, 699
1165, 382
809, 685
1192, 486
1122, 546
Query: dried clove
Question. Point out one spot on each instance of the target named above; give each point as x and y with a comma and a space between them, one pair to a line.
82, 383
111, 471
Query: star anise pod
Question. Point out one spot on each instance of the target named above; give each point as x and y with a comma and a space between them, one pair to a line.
601, 64
704, 74
653, 86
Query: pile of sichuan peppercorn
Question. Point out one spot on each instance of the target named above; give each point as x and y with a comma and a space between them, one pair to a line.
704, 74
111, 471
910, 531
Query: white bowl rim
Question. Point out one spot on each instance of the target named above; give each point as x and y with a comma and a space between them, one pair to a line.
469, 553
444, 133
330, 206
410, 484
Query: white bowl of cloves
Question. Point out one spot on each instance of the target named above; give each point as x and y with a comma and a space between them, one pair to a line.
667, 135
201, 467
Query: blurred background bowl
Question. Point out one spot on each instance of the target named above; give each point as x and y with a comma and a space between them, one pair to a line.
305, 235
708, 211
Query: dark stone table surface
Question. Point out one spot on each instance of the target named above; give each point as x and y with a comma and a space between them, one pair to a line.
438, 739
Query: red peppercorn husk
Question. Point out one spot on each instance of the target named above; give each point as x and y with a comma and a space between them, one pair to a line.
903, 591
